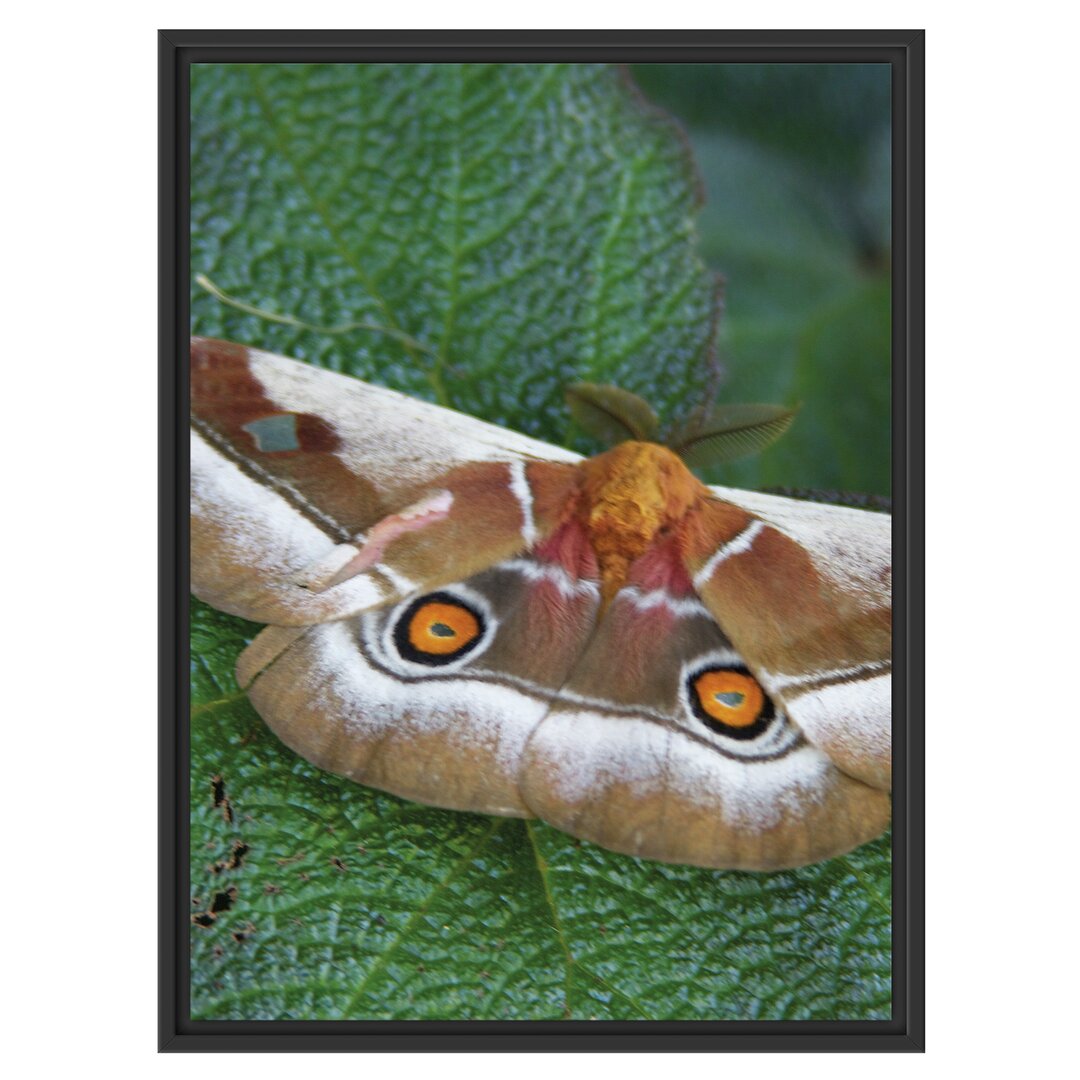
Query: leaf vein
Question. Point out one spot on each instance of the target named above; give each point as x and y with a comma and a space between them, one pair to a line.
457, 868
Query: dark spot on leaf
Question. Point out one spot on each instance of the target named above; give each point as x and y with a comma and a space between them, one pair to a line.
271, 889
235, 858
421, 968
221, 800
223, 900
203, 918
335, 861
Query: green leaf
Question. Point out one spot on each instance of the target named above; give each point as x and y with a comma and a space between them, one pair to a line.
728, 432
510, 228
611, 414
499, 231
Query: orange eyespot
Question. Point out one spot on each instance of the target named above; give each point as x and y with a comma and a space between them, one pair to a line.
442, 628
731, 701
438, 628
730, 697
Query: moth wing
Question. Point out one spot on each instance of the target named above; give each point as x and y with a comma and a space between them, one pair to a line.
291, 465
804, 591
624, 759
368, 697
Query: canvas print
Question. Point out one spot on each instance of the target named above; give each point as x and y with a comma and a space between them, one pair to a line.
540, 542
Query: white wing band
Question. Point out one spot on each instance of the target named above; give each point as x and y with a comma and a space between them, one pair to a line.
519, 485
737, 546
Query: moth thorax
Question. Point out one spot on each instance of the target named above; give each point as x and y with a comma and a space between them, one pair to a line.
631, 494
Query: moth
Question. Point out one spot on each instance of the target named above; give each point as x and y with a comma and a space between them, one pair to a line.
471, 618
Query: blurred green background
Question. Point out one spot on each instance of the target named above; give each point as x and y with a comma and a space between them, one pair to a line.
796, 168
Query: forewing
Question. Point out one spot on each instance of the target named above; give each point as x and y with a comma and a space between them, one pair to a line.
804, 591
291, 465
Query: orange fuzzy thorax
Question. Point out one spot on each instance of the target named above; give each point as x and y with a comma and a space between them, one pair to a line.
630, 496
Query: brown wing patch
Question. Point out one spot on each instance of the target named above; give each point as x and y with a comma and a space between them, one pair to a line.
554, 486
784, 613
231, 409
484, 526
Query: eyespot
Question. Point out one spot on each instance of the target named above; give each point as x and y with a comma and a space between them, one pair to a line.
437, 629
729, 700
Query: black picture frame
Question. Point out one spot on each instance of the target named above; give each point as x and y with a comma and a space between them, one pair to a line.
904, 51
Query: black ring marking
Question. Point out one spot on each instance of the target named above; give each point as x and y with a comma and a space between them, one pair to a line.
405, 647
746, 731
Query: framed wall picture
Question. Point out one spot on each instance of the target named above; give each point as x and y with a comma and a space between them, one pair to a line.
542, 633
